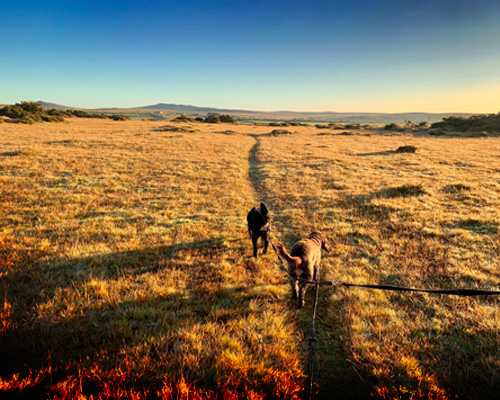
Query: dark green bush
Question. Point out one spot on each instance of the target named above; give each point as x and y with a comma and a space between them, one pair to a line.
477, 123
13, 112
212, 119
182, 118
118, 117
30, 112
31, 107
28, 119
227, 119
393, 127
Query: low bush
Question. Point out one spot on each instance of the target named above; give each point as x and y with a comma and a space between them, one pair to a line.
212, 119
30, 112
227, 119
406, 149
280, 132
182, 118
393, 127
117, 117
489, 123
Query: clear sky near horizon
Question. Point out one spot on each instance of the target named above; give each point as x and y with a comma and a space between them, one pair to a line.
309, 55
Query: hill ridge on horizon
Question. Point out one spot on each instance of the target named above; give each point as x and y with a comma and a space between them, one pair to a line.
307, 116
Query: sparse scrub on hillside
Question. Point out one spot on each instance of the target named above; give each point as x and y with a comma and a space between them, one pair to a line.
489, 124
30, 112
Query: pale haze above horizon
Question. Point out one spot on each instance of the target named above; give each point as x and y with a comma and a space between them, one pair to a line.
319, 55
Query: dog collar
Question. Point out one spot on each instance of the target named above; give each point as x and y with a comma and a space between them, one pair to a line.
314, 237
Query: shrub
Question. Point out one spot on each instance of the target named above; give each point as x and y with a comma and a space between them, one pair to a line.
29, 112
118, 117
84, 114
31, 107
280, 132
13, 112
212, 119
393, 127
227, 119
52, 118
489, 123
28, 119
182, 118
406, 149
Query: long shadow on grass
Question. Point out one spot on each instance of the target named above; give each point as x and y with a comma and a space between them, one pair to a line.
123, 334
32, 282
35, 329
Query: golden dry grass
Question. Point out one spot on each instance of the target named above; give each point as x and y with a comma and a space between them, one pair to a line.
126, 268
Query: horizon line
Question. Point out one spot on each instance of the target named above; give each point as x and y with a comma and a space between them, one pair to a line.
252, 110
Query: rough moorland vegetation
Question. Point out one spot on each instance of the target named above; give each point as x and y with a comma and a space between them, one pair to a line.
209, 119
488, 124
31, 112
126, 270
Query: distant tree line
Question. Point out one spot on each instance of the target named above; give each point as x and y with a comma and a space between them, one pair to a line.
31, 112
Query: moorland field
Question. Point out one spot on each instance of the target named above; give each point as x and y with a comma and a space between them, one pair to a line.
126, 268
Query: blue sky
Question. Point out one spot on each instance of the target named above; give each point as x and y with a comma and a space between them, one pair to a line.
310, 55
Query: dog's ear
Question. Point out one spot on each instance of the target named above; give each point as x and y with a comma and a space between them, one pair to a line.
263, 209
326, 245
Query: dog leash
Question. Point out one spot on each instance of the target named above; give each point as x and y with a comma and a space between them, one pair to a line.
456, 292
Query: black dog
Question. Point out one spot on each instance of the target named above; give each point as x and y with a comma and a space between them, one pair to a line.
259, 223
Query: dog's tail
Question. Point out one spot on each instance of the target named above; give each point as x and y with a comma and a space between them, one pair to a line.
290, 259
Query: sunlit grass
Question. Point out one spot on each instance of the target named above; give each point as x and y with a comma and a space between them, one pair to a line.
126, 267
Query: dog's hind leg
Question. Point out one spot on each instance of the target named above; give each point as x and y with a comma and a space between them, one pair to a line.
255, 238
295, 287
302, 295
265, 239
301, 300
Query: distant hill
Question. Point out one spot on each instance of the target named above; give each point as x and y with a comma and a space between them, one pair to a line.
57, 106
194, 109
320, 117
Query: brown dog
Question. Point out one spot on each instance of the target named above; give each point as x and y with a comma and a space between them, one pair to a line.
303, 262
